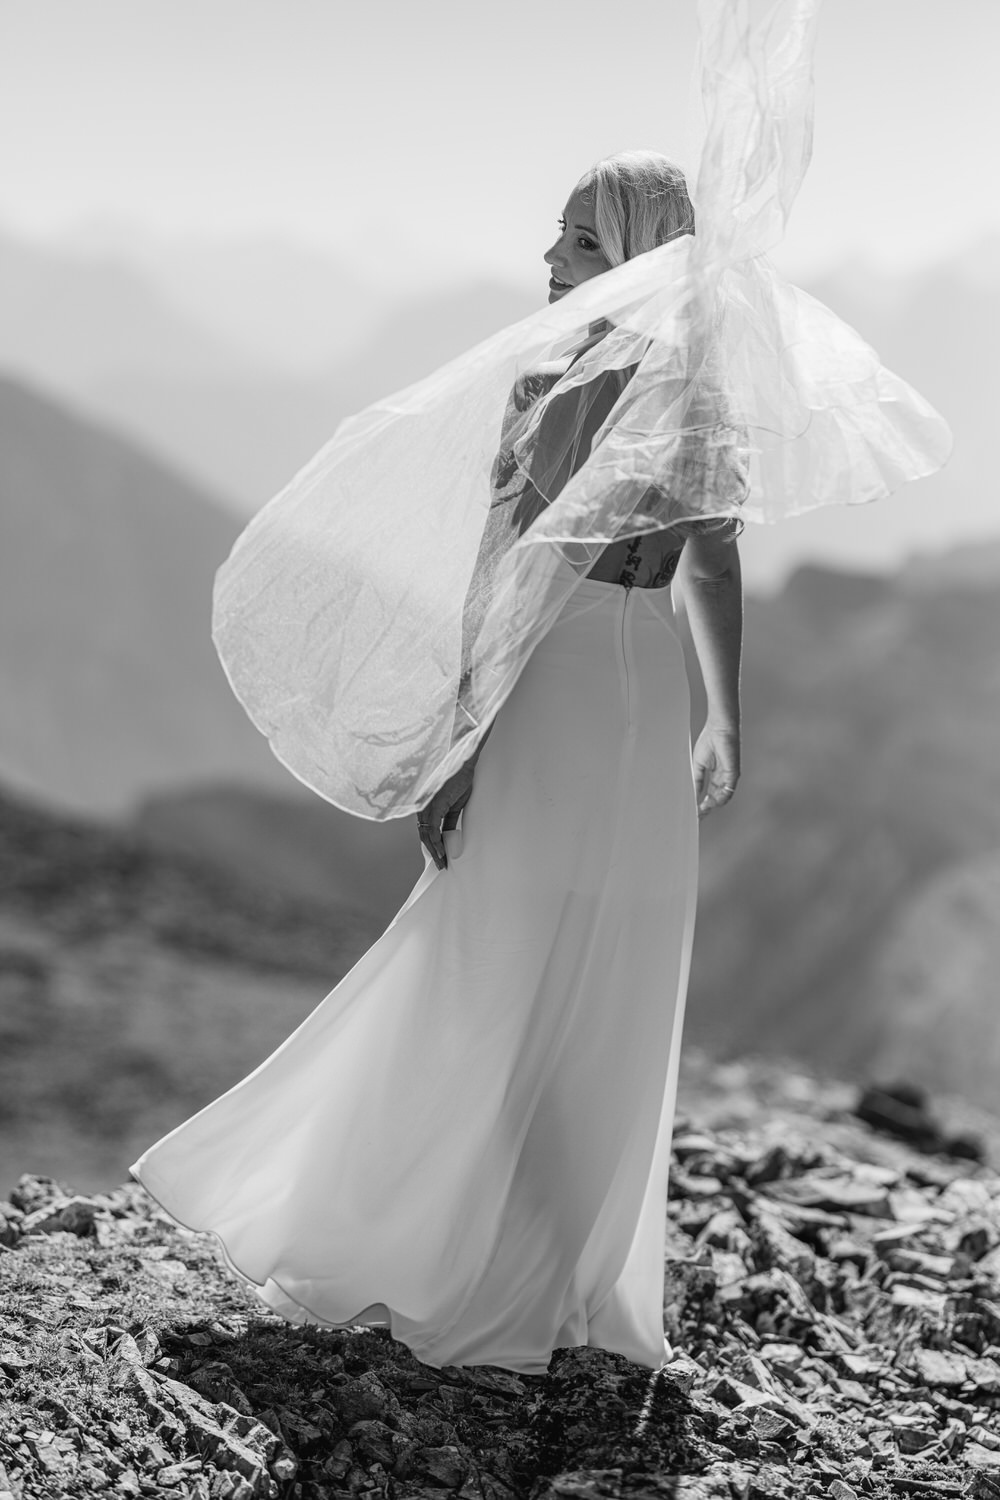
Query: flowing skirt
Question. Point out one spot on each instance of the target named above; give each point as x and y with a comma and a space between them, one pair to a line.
468, 1139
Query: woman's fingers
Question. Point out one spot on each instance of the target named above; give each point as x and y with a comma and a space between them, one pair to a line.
718, 790
716, 796
433, 841
430, 821
440, 816
703, 770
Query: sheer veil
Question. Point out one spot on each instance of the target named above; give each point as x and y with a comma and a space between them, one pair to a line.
375, 614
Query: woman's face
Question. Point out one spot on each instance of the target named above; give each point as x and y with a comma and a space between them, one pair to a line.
576, 255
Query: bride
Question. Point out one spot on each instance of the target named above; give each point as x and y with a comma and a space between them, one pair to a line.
628, 204
463, 608
469, 1138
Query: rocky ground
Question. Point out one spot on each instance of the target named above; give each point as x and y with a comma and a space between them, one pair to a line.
832, 1293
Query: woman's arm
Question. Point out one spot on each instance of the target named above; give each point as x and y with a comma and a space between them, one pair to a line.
562, 443
713, 594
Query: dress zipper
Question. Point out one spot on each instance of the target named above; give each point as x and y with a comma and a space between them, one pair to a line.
627, 578
628, 694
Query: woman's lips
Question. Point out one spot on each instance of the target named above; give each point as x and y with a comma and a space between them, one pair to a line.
555, 285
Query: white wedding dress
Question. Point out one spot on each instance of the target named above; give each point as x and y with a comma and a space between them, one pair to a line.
468, 1138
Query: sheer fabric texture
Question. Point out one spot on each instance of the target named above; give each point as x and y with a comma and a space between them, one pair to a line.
398, 576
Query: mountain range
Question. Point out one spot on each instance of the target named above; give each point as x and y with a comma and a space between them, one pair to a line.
235, 363
846, 913
848, 895
110, 689
158, 352
108, 680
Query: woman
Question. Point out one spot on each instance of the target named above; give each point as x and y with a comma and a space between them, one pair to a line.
468, 1139
627, 205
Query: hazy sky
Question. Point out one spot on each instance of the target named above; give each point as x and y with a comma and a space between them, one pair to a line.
436, 140
414, 134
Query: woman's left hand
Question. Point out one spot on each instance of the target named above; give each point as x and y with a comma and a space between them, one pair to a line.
440, 815
716, 762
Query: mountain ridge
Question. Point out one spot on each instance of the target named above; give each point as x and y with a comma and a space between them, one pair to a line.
108, 679
245, 430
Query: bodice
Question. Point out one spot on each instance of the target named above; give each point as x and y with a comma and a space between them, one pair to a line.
645, 561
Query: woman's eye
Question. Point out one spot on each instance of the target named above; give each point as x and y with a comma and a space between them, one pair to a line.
582, 240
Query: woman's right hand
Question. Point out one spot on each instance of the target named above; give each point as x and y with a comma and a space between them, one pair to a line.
440, 815
716, 763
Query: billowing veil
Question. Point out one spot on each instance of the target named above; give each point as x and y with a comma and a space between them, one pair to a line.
375, 614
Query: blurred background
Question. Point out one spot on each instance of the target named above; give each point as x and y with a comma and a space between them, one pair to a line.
225, 225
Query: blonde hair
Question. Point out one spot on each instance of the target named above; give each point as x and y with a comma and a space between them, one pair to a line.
640, 201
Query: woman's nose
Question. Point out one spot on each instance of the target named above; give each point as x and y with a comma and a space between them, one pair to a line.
552, 254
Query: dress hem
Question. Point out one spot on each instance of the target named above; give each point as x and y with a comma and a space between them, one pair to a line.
317, 1320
